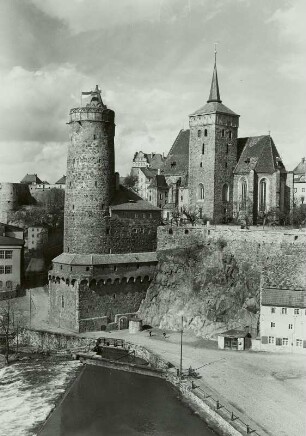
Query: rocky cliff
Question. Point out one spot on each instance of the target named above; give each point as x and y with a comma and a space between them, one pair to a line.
214, 284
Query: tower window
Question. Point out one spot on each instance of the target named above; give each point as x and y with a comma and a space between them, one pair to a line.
94, 136
263, 195
73, 207
201, 192
226, 151
205, 132
96, 184
230, 134
199, 133
225, 193
203, 148
63, 302
201, 164
222, 133
225, 164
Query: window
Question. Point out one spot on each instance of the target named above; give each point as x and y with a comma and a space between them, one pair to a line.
1, 284
96, 184
181, 198
285, 341
303, 189
9, 284
225, 193
160, 196
263, 195
225, 164
271, 339
63, 302
199, 133
201, 192
226, 149
243, 193
222, 133
272, 324
107, 231
8, 269
115, 268
203, 148
272, 309
290, 326
134, 230
1, 254
230, 134
205, 132
284, 310
278, 341
299, 342
201, 164
296, 311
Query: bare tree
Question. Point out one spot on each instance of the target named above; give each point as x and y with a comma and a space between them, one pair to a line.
6, 327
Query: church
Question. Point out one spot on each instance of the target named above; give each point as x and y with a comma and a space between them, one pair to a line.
227, 177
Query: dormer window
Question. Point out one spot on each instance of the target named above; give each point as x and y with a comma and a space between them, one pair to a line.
247, 160
205, 132
173, 164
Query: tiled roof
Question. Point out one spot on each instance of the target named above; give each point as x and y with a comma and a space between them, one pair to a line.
177, 160
6, 240
155, 160
159, 182
301, 168
31, 178
148, 172
105, 259
61, 181
286, 272
258, 153
212, 108
126, 199
283, 298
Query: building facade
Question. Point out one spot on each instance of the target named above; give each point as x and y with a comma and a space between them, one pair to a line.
37, 237
109, 232
299, 181
283, 306
11, 265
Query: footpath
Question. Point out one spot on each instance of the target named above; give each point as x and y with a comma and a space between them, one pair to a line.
266, 390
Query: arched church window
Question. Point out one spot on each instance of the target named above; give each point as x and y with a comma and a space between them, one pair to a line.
201, 191
205, 132
203, 148
225, 193
243, 193
263, 195
199, 133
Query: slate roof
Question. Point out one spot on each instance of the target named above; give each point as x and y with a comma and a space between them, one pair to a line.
177, 161
284, 282
258, 153
6, 240
214, 107
105, 259
126, 199
155, 160
31, 178
234, 333
148, 172
61, 181
159, 182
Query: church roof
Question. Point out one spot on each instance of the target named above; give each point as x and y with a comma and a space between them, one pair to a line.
125, 199
258, 153
177, 161
213, 107
214, 94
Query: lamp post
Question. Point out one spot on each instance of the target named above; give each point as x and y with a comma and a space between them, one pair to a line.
181, 357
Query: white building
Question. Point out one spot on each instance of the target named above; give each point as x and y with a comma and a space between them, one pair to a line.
283, 306
299, 183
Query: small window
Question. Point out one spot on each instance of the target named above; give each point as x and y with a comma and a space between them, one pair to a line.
272, 309
63, 302
186, 231
8, 269
9, 284
1, 254
96, 184
284, 310
201, 164
134, 230
61, 267
303, 189
115, 268
285, 341
278, 341
170, 232
296, 311
73, 207
181, 198
225, 164
94, 136
271, 339
230, 134
290, 326
205, 132
8, 254
1, 269
272, 324
199, 133
222, 133
87, 268
160, 196
107, 231
299, 342
203, 148
1, 284
226, 150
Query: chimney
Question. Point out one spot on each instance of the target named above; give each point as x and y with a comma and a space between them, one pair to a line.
117, 180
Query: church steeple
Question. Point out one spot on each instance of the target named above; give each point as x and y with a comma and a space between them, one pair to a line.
214, 95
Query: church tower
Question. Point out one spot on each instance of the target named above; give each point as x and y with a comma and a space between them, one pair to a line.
212, 156
90, 183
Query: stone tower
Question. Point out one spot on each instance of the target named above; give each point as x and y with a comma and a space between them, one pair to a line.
90, 181
212, 156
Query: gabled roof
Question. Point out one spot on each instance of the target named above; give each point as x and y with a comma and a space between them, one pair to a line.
214, 107
126, 199
258, 153
159, 182
148, 172
177, 161
301, 168
6, 240
155, 160
31, 178
61, 181
105, 259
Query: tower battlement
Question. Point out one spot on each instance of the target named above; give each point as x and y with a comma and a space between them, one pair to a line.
89, 113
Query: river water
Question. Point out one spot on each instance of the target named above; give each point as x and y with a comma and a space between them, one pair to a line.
105, 402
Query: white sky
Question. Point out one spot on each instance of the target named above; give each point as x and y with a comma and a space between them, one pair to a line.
153, 60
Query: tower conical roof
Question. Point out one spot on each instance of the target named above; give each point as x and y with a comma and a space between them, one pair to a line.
214, 94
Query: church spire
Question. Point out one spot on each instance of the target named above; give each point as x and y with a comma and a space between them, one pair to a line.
214, 94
